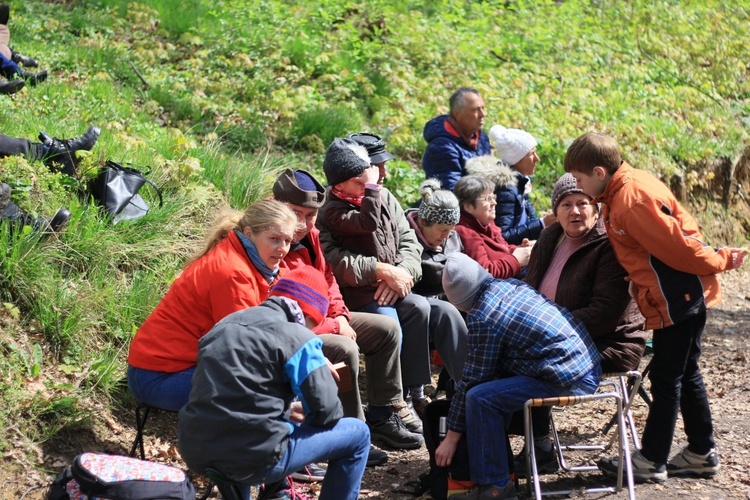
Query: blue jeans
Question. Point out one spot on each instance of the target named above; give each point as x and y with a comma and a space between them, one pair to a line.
489, 409
168, 391
345, 446
677, 385
413, 314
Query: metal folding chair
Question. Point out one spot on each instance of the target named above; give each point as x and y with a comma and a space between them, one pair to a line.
625, 470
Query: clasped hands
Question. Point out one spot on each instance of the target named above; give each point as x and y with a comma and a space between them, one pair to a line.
393, 283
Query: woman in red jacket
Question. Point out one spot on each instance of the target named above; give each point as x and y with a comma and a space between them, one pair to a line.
234, 271
483, 240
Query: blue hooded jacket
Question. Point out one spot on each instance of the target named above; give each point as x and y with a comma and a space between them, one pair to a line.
446, 153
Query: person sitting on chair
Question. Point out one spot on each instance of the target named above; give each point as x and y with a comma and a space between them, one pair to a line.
521, 346
240, 419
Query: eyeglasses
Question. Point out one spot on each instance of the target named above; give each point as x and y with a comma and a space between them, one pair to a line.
489, 199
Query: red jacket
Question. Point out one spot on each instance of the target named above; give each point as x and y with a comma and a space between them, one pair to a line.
310, 253
661, 247
486, 245
221, 282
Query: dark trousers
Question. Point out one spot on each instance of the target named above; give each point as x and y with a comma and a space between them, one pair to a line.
677, 385
12, 146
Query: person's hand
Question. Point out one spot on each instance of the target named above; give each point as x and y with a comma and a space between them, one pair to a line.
372, 174
345, 329
549, 219
332, 370
296, 413
522, 253
385, 295
399, 280
444, 453
737, 257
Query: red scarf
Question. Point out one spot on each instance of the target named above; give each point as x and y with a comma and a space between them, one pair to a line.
354, 200
452, 126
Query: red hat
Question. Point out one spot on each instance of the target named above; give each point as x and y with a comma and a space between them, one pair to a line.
309, 288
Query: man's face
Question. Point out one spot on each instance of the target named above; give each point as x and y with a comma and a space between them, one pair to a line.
306, 218
592, 184
471, 115
383, 173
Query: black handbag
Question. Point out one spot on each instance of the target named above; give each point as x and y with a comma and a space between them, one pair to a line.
116, 188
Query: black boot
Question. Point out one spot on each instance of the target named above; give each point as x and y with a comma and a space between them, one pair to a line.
63, 150
34, 78
11, 87
19, 58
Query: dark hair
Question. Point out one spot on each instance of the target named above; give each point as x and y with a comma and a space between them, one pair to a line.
592, 150
469, 187
457, 100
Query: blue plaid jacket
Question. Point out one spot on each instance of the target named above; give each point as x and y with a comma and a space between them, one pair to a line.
515, 330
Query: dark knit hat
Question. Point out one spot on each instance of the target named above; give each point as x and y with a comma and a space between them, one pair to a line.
344, 159
375, 146
299, 188
564, 186
308, 287
462, 278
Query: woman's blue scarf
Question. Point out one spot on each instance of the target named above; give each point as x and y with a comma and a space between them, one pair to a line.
252, 253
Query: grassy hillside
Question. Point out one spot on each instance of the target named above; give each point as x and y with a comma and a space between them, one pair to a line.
216, 97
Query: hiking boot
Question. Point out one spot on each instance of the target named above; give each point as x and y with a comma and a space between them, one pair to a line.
19, 58
63, 150
393, 432
489, 491
409, 418
59, 220
376, 457
12, 86
546, 462
643, 469
311, 473
687, 463
34, 78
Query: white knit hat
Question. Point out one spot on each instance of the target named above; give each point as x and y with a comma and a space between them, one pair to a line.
512, 144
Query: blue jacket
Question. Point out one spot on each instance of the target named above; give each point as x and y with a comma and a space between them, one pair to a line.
514, 215
446, 153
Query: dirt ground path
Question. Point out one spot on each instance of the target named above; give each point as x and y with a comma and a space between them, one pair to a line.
26, 468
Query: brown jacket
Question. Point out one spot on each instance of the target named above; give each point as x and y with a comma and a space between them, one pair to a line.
592, 286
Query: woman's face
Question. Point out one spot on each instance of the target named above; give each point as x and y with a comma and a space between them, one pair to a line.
435, 234
527, 164
576, 214
272, 244
484, 207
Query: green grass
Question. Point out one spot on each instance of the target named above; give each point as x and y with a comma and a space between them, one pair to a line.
232, 92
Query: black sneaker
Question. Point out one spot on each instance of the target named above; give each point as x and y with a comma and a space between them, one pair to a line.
18, 58
311, 473
376, 457
546, 462
393, 432
63, 151
687, 463
34, 78
409, 418
644, 470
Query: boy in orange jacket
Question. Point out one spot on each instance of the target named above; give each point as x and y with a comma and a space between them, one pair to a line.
672, 274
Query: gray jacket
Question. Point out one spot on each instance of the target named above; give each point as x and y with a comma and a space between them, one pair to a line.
250, 367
